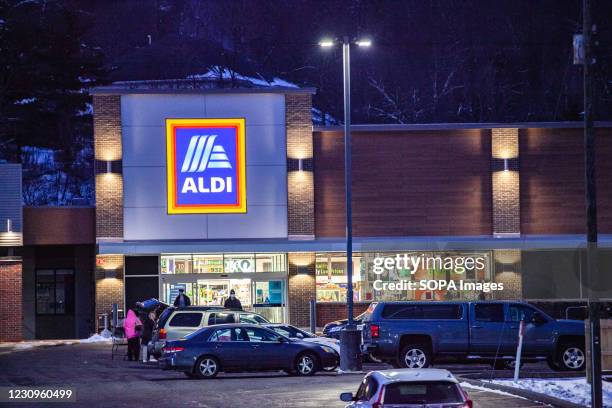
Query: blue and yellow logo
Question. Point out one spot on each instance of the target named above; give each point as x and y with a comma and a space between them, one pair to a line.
206, 166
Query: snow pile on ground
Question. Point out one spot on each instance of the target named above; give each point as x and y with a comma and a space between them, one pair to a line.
479, 388
575, 390
96, 338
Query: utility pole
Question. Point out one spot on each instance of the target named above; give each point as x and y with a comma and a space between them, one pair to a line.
591, 207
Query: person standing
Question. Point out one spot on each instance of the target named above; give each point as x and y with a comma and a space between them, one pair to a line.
148, 321
182, 299
132, 326
232, 302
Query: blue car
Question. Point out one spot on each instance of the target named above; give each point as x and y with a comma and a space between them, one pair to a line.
243, 347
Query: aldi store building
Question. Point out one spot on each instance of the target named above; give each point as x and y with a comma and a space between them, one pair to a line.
218, 189
211, 189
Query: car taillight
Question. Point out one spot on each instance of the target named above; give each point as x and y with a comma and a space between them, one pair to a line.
378, 403
172, 349
162, 334
374, 330
468, 402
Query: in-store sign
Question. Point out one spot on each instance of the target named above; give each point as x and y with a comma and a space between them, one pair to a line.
239, 265
206, 170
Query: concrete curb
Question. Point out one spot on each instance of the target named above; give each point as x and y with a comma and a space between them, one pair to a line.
530, 395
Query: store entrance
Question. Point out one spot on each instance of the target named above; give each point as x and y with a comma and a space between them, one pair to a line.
264, 295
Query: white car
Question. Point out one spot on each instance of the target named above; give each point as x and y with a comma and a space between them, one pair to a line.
410, 387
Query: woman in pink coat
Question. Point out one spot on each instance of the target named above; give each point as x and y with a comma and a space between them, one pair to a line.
132, 326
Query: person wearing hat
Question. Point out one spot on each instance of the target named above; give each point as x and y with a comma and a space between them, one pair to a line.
232, 302
182, 299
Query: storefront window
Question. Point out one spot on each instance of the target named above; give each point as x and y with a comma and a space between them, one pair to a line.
244, 263
331, 278
223, 263
208, 264
176, 264
372, 284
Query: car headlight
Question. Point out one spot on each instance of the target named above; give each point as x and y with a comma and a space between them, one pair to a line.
328, 349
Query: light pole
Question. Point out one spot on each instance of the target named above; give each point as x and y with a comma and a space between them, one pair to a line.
350, 337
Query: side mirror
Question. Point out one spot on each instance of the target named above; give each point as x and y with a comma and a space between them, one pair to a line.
281, 339
347, 397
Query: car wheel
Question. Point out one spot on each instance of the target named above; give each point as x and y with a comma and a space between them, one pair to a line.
207, 367
306, 364
571, 357
415, 356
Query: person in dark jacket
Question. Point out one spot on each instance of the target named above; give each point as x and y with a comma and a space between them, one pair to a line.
232, 301
148, 323
182, 299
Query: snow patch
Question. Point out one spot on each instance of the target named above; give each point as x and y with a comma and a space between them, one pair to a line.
96, 338
479, 388
225, 74
575, 390
25, 101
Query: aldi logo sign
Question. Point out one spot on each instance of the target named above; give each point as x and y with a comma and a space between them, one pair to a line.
206, 171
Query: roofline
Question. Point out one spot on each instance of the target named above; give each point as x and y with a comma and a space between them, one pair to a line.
189, 86
454, 126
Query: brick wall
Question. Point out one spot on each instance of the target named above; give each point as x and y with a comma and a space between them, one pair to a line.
109, 185
301, 288
109, 290
507, 270
332, 311
11, 314
300, 184
505, 181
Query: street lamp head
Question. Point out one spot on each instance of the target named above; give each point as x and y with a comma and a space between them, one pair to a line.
326, 43
363, 43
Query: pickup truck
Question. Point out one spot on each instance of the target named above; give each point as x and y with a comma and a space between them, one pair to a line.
414, 334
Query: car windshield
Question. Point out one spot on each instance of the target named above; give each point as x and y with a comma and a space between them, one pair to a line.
252, 318
290, 331
430, 392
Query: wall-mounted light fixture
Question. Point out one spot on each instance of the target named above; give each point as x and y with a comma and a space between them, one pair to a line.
110, 273
9, 225
109, 166
302, 270
506, 165
300, 164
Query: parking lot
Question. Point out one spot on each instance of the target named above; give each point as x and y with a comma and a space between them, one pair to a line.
102, 382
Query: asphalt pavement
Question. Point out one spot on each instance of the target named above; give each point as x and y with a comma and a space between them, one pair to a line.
102, 382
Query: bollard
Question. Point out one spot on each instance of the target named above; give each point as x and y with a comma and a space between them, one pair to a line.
519, 350
115, 315
313, 316
106, 333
